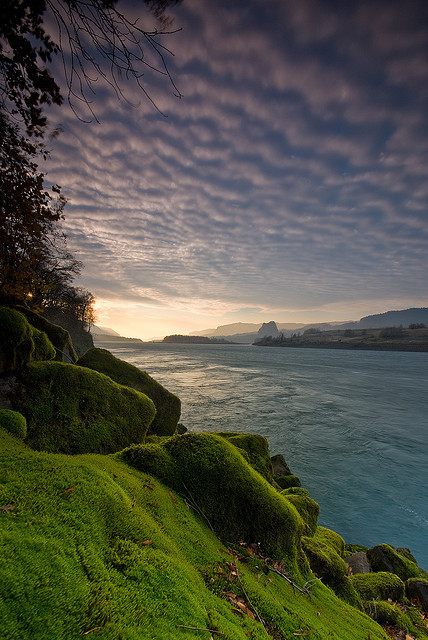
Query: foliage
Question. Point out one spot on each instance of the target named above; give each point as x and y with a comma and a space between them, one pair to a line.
28, 213
168, 406
392, 332
73, 410
13, 422
378, 586
92, 545
93, 37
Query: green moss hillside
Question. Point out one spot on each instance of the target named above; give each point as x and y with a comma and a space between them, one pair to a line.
93, 547
168, 406
71, 409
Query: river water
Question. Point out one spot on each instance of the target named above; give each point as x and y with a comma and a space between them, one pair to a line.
353, 425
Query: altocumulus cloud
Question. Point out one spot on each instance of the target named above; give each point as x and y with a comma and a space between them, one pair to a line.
292, 174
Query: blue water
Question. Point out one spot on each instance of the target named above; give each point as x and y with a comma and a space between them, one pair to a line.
352, 425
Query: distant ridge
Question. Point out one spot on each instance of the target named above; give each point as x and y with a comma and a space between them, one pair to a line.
104, 331
246, 332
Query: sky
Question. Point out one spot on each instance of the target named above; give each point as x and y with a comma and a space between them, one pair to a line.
288, 183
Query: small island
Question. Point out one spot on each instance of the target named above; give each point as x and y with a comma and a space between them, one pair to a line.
180, 339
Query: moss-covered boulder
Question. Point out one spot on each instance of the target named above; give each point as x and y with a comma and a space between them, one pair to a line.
255, 449
59, 337
223, 488
324, 552
279, 466
379, 586
388, 614
308, 508
285, 482
384, 557
13, 422
16, 340
168, 406
43, 347
72, 409
417, 591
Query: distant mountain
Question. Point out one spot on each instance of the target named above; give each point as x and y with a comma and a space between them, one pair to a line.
403, 318
228, 330
104, 331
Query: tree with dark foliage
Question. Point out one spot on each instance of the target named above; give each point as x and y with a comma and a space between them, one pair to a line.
95, 39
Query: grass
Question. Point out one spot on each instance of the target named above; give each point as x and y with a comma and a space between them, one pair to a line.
93, 545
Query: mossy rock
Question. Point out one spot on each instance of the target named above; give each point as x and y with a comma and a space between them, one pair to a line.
330, 568
13, 422
378, 586
279, 466
168, 406
59, 337
308, 508
389, 614
71, 409
417, 591
43, 347
16, 340
332, 539
285, 482
257, 449
355, 548
223, 488
384, 557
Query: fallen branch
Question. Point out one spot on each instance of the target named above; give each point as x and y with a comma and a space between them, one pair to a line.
247, 598
183, 626
196, 507
289, 580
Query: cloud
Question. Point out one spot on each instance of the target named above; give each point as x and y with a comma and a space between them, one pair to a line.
294, 168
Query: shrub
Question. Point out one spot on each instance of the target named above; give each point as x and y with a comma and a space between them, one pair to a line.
16, 341
378, 586
235, 500
168, 406
13, 422
70, 409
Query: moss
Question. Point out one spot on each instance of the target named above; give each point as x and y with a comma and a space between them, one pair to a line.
43, 347
59, 337
386, 613
307, 508
16, 340
256, 448
285, 482
354, 548
70, 409
237, 502
13, 422
332, 539
384, 557
94, 545
378, 586
168, 406
417, 591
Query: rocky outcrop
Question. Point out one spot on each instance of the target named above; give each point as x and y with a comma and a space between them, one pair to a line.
358, 563
268, 330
